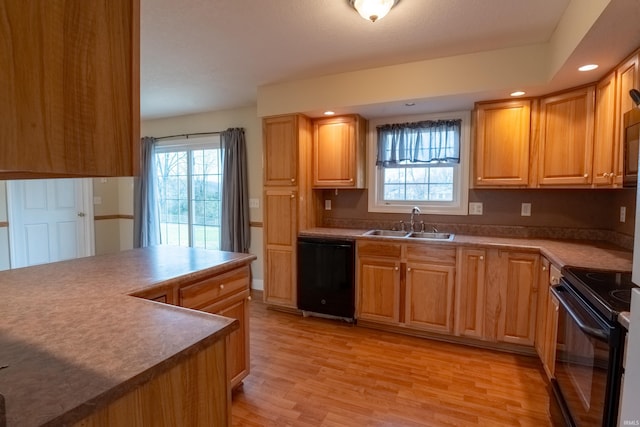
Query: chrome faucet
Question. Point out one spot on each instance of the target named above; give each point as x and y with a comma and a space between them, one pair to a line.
415, 210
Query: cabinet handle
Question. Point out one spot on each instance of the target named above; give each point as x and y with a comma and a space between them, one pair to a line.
249, 298
479, 178
293, 196
293, 180
408, 268
544, 268
481, 257
396, 268
221, 286
586, 175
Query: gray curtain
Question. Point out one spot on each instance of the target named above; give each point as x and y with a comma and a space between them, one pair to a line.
429, 141
234, 225
146, 217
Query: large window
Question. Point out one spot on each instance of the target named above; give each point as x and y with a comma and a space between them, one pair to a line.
419, 161
190, 190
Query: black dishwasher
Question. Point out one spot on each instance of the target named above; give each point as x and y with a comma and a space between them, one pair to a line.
325, 276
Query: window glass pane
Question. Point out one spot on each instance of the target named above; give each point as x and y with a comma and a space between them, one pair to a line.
202, 179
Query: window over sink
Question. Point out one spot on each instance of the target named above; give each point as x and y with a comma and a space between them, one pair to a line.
420, 160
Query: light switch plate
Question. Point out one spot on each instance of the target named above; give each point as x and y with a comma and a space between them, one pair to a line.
254, 203
525, 209
623, 213
327, 205
97, 200
475, 208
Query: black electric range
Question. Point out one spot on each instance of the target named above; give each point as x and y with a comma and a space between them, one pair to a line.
608, 291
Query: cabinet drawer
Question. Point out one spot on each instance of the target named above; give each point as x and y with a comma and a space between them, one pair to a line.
379, 249
209, 291
433, 253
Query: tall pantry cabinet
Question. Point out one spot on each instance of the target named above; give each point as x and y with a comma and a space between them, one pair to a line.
289, 203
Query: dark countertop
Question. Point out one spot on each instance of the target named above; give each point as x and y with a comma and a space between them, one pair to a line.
73, 339
581, 253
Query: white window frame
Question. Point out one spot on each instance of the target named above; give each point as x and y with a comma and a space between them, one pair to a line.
195, 143
460, 203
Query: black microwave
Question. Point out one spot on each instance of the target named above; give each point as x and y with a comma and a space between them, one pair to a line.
631, 143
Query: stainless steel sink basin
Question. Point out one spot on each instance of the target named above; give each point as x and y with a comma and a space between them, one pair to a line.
387, 233
430, 235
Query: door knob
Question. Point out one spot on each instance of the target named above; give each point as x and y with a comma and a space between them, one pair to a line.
81, 214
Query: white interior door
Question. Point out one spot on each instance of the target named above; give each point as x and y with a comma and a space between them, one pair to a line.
49, 220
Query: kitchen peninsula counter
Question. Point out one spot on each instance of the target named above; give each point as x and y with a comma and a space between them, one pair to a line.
580, 253
73, 340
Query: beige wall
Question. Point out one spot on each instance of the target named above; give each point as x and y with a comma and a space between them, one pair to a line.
116, 195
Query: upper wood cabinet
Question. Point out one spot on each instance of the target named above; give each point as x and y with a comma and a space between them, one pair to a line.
606, 146
502, 143
280, 136
566, 138
339, 154
627, 78
70, 90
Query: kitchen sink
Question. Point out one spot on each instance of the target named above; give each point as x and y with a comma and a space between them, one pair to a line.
427, 235
387, 233
410, 235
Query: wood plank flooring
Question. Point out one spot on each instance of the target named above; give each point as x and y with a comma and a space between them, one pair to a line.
318, 372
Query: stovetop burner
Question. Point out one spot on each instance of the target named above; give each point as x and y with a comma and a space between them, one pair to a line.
622, 295
608, 291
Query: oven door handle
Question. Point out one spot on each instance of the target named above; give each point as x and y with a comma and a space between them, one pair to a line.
598, 333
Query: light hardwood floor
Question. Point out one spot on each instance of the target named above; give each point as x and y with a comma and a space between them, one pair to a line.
318, 372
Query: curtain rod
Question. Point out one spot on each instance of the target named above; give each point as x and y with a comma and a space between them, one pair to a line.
187, 135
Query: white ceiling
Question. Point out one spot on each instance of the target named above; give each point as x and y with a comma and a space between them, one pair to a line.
207, 55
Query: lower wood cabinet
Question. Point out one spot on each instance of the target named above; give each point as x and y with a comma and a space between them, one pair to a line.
378, 273
226, 294
406, 285
543, 298
485, 294
470, 292
518, 298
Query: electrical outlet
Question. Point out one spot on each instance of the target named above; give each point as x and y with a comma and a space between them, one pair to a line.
623, 213
97, 200
254, 203
475, 208
525, 209
327, 205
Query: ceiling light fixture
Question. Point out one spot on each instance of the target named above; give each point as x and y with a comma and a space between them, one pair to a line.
517, 93
329, 113
588, 67
373, 10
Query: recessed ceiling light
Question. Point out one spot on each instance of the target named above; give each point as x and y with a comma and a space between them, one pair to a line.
517, 93
588, 67
329, 113
410, 104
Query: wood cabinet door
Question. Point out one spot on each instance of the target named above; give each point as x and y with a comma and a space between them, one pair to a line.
470, 293
541, 316
606, 146
627, 78
429, 297
280, 209
551, 335
280, 137
238, 340
501, 151
70, 93
518, 298
379, 290
566, 138
338, 152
